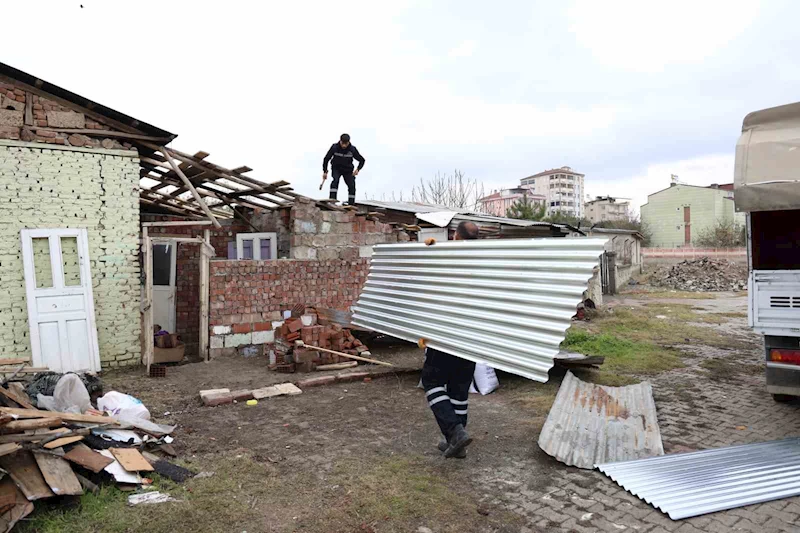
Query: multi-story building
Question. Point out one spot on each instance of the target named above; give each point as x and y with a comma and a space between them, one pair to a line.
607, 208
562, 188
677, 215
499, 202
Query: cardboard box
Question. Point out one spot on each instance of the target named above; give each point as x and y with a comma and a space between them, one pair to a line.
169, 355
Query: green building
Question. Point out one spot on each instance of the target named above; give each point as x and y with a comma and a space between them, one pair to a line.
679, 214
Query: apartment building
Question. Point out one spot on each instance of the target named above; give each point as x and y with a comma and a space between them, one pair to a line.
499, 202
607, 208
562, 188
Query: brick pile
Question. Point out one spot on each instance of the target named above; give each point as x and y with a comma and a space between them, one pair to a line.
286, 356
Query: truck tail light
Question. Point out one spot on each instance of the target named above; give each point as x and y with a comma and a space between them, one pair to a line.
782, 355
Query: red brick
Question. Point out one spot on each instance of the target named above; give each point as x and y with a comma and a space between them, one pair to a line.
262, 326
242, 328
220, 398
316, 382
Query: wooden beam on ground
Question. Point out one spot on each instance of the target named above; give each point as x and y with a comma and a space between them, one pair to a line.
66, 417
188, 184
19, 426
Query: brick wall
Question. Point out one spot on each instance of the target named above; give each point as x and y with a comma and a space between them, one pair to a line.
45, 186
247, 297
46, 113
694, 253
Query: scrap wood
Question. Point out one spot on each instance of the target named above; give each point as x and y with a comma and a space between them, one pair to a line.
281, 389
5, 418
578, 359
63, 441
14, 362
84, 456
164, 468
131, 460
341, 354
16, 399
19, 389
19, 509
338, 366
8, 448
120, 474
33, 437
58, 474
66, 417
22, 468
19, 426
150, 498
86, 484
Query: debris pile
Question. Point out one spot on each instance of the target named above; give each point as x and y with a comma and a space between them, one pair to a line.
703, 274
304, 345
90, 440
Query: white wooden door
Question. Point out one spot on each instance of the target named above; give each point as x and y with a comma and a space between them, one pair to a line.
164, 256
58, 287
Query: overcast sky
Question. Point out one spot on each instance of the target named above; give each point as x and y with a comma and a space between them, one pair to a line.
625, 92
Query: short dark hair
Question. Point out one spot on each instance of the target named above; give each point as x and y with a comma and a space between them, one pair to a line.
345, 138
468, 230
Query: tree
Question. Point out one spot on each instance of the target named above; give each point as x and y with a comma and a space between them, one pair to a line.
454, 191
632, 223
723, 234
524, 209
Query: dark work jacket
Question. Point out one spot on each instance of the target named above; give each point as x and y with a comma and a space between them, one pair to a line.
342, 158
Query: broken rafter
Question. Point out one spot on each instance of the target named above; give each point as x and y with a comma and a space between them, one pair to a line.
186, 182
184, 204
105, 133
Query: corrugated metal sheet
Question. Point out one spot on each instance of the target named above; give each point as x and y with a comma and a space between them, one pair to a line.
690, 484
590, 424
506, 303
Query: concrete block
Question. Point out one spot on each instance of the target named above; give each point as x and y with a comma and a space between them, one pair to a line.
365, 251
66, 119
236, 340
263, 337
304, 226
326, 254
304, 252
217, 341
221, 330
325, 227
277, 323
11, 118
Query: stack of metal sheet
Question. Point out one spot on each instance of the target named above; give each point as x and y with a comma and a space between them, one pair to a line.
505, 303
691, 484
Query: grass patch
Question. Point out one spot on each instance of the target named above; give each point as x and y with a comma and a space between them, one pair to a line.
734, 314
605, 377
622, 355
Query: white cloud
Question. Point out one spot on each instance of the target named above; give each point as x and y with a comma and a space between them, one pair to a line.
465, 49
702, 170
648, 36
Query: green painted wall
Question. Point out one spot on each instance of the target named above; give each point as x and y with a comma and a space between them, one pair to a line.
663, 213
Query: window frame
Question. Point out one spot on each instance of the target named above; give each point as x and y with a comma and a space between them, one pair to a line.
257, 238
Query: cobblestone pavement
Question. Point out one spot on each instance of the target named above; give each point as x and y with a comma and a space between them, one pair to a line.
696, 410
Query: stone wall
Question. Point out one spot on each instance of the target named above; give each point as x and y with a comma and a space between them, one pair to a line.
28, 117
43, 186
247, 297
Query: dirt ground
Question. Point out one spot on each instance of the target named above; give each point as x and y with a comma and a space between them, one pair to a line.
361, 456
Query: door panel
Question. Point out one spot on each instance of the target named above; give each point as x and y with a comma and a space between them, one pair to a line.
164, 258
60, 301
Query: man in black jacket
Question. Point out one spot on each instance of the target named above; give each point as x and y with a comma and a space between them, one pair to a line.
342, 154
446, 380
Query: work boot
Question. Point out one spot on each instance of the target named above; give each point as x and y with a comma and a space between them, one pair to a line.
459, 440
443, 445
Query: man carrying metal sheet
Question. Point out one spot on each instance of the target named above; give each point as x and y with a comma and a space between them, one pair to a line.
446, 379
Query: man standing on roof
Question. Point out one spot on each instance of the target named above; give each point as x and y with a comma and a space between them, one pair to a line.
446, 380
342, 154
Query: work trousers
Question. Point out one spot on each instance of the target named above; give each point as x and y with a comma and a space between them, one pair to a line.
446, 379
349, 180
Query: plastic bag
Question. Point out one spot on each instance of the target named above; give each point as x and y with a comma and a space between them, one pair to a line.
69, 396
123, 406
484, 380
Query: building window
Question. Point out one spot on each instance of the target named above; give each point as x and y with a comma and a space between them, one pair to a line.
257, 246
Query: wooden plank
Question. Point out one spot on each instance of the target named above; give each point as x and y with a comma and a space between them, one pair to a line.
66, 417
16, 511
8, 448
357, 358
58, 474
6, 418
58, 443
22, 468
178, 223
107, 133
147, 327
31, 437
204, 292
19, 389
84, 456
26, 370
119, 473
131, 460
337, 366
19, 400
189, 185
33, 423
14, 362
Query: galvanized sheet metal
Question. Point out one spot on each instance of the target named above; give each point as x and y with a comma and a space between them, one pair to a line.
590, 424
505, 303
692, 484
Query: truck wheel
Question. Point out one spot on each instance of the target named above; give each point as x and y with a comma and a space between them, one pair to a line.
782, 398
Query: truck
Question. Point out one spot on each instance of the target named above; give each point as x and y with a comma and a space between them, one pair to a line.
767, 190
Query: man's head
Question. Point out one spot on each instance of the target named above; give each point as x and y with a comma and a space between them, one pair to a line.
344, 140
467, 231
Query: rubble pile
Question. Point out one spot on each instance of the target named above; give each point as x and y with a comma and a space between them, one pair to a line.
289, 356
703, 274
67, 438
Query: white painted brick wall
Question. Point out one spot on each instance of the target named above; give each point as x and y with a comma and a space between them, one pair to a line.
47, 187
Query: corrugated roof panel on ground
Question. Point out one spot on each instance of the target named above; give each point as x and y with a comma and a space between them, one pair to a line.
590, 424
506, 303
691, 484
